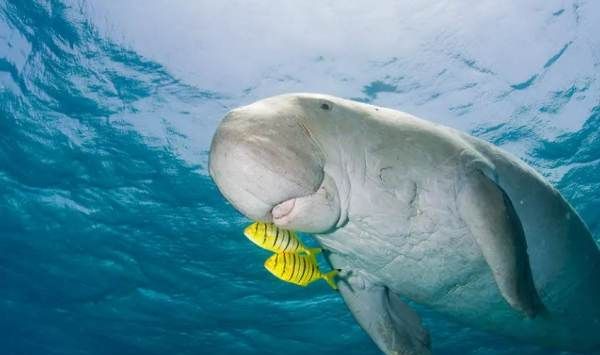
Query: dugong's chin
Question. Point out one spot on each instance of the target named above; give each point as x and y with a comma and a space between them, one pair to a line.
266, 164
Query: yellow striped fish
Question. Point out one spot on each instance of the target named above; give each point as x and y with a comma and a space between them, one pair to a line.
298, 269
269, 236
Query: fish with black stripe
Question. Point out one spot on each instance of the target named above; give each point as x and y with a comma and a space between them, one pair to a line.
298, 269
269, 236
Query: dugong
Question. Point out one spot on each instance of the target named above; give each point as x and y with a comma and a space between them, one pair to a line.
415, 211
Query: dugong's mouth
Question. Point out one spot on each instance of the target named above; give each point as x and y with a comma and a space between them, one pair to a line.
282, 210
318, 212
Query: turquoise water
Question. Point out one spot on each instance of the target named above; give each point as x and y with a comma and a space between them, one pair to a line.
114, 240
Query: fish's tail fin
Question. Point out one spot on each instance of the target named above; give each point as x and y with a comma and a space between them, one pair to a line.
330, 278
312, 252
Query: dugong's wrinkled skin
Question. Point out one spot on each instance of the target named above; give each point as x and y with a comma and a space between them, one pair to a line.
413, 209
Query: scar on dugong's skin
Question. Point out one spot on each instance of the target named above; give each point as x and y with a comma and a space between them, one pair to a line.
415, 210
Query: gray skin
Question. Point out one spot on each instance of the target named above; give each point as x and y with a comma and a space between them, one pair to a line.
413, 210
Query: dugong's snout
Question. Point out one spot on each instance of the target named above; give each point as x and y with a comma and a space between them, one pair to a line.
268, 166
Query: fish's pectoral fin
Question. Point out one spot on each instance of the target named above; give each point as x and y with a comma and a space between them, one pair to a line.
391, 323
494, 224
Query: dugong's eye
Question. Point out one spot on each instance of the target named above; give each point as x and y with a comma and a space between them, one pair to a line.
326, 106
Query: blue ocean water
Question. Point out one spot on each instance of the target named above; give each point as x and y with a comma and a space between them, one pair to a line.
114, 240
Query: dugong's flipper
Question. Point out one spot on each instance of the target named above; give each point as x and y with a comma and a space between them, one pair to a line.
502, 242
393, 326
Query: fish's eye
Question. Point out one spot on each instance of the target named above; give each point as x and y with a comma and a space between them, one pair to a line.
325, 106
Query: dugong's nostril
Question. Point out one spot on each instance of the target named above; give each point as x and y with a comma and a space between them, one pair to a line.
283, 209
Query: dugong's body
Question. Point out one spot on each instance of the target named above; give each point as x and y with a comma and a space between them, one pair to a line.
412, 209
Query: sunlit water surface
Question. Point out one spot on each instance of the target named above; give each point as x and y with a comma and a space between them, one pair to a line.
114, 240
